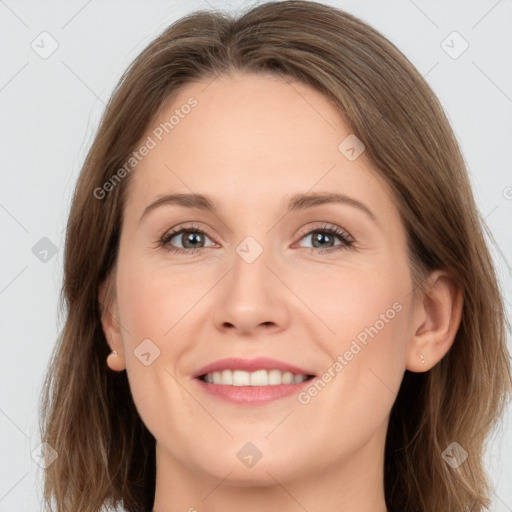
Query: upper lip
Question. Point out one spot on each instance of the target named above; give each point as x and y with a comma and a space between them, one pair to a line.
251, 365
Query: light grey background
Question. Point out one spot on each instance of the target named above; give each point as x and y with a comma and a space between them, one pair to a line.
50, 108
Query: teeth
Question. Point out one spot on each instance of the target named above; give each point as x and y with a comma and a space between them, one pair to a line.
257, 378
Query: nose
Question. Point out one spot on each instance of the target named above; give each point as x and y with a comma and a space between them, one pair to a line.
252, 299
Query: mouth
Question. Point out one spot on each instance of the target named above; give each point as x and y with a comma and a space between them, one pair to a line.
258, 378
251, 382
249, 389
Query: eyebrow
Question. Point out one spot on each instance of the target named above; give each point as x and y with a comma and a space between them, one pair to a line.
295, 203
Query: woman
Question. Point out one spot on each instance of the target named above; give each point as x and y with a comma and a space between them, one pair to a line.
212, 361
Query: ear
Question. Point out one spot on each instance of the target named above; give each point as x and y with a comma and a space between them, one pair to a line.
111, 328
437, 314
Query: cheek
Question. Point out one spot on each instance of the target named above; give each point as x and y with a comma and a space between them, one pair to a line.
367, 313
154, 301
370, 319
356, 303
157, 305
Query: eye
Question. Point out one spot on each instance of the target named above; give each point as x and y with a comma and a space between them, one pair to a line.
323, 238
190, 237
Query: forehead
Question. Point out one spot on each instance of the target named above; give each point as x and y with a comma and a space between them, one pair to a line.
250, 138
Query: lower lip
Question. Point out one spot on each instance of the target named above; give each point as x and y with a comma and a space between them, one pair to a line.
252, 395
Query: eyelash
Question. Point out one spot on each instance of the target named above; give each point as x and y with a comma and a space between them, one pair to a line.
345, 238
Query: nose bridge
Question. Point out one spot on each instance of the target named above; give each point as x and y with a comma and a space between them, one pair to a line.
251, 294
250, 275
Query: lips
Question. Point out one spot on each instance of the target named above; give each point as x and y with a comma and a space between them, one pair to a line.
251, 365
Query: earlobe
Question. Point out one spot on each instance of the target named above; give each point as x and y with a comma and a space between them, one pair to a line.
437, 319
110, 325
115, 361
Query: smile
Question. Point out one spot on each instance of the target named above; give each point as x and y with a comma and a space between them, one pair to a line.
256, 378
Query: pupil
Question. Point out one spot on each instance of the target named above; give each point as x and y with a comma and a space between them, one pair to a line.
320, 237
190, 238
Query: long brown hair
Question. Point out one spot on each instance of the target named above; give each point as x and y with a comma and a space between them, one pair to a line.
106, 455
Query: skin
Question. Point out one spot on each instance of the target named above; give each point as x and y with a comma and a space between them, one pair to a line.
251, 143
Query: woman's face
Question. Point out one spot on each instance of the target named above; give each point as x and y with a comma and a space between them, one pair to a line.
255, 278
